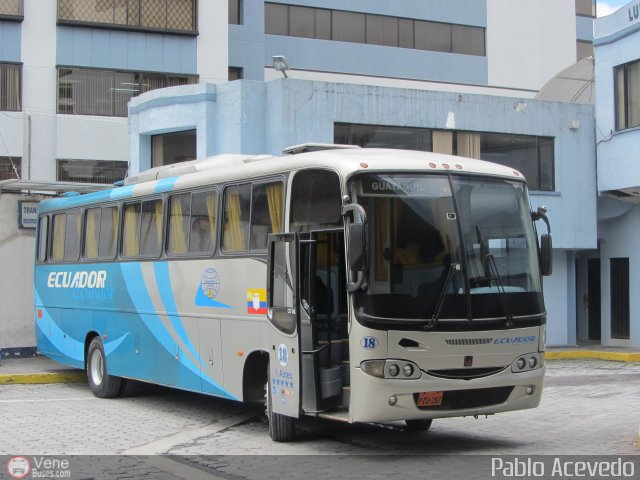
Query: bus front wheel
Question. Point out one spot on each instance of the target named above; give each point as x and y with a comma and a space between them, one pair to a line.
418, 425
102, 384
281, 427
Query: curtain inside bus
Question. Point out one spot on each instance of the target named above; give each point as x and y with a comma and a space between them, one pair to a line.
130, 241
57, 250
91, 234
233, 232
212, 208
275, 200
178, 222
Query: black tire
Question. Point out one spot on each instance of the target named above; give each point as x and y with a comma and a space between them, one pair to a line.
281, 427
418, 425
102, 384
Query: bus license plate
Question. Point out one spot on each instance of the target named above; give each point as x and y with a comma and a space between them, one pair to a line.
430, 399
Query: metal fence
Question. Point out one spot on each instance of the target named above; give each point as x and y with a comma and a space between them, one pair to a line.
36, 145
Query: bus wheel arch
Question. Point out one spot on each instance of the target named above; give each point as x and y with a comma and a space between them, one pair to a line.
254, 376
102, 384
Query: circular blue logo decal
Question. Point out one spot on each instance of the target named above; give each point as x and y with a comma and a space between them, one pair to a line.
210, 283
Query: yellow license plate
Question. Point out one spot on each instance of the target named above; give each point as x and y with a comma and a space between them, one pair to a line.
430, 399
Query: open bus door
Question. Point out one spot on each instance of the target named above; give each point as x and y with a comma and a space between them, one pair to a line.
283, 388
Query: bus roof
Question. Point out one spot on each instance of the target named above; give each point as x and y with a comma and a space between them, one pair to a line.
231, 167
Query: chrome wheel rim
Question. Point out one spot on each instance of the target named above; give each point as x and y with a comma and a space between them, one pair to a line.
96, 367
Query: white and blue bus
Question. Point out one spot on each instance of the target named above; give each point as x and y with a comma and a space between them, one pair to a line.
361, 285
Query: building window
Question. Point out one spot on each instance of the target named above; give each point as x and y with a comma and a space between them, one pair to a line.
355, 27
620, 313
11, 9
91, 171
173, 147
583, 49
167, 15
235, 12
627, 95
10, 87
235, 73
83, 91
586, 8
530, 154
10, 168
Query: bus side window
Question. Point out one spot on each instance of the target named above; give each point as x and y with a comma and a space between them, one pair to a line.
267, 203
43, 232
151, 228
237, 204
65, 246
204, 211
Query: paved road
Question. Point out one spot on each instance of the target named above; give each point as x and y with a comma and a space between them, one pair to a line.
589, 408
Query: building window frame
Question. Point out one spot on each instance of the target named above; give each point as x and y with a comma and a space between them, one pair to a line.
12, 10
117, 168
127, 20
10, 168
139, 82
10, 93
626, 107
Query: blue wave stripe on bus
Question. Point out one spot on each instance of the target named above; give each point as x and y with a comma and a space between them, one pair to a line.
163, 280
165, 185
109, 347
132, 274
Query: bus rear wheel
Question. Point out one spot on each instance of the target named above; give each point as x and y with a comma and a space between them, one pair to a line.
102, 384
281, 427
421, 425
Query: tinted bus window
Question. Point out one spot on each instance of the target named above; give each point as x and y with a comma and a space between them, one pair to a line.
43, 230
142, 229
315, 201
192, 223
66, 237
237, 204
266, 213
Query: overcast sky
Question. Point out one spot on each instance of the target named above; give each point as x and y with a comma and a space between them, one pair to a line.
605, 7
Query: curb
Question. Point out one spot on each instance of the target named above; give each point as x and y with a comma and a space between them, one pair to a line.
38, 378
593, 354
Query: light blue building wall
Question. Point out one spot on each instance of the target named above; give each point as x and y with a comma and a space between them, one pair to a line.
616, 43
115, 49
252, 50
264, 117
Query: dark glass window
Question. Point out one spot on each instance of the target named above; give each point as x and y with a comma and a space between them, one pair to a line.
586, 8
530, 154
620, 312
348, 26
373, 29
192, 223
301, 22
432, 36
315, 200
627, 95
65, 246
235, 73
83, 91
173, 15
91, 171
174, 147
382, 30
276, 19
43, 231
10, 87
10, 168
235, 12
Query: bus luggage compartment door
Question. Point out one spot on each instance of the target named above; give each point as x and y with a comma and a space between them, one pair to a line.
283, 313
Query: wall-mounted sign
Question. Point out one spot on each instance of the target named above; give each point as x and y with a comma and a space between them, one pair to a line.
27, 214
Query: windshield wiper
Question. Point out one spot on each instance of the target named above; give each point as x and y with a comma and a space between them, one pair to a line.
494, 274
443, 293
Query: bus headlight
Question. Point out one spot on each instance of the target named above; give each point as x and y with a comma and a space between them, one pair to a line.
528, 362
390, 369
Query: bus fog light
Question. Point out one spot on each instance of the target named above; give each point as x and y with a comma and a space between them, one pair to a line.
394, 370
530, 389
407, 370
521, 363
393, 400
532, 362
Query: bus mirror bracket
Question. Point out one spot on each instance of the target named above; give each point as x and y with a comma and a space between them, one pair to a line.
357, 246
546, 245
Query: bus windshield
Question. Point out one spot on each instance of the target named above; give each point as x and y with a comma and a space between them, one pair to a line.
459, 247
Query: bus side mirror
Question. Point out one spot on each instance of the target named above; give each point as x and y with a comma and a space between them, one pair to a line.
546, 255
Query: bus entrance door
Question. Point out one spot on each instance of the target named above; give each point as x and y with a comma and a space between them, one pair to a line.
283, 312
